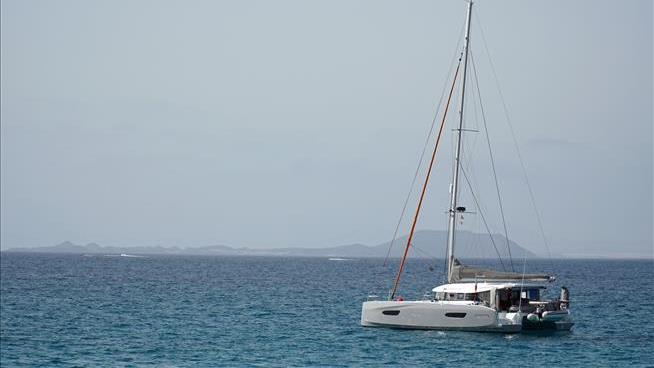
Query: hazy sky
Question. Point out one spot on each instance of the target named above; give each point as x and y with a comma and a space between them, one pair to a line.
300, 123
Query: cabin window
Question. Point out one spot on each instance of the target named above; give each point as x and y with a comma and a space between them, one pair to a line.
456, 296
484, 297
531, 294
480, 297
391, 312
477, 297
455, 314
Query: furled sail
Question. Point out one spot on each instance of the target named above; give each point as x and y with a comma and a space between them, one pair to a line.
462, 273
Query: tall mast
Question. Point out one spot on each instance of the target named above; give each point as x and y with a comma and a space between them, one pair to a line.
457, 156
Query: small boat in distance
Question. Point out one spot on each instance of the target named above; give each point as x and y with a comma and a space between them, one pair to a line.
131, 255
473, 299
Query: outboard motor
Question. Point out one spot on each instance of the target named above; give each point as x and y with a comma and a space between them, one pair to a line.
565, 298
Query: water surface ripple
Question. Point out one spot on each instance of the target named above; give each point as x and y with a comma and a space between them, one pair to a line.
175, 311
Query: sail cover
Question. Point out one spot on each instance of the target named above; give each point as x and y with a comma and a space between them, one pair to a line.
462, 273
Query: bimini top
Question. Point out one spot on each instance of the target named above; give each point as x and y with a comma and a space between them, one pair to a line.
462, 273
471, 287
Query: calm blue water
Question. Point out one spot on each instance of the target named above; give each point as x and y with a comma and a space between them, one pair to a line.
71, 310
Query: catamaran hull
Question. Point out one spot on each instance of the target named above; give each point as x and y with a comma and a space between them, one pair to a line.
430, 315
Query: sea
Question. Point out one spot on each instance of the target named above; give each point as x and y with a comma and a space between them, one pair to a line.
211, 311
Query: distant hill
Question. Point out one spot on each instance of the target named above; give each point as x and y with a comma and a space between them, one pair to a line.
426, 243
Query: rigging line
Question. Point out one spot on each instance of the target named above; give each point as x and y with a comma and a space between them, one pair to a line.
425, 253
415, 175
524, 267
490, 152
483, 218
424, 150
517, 148
424, 187
429, 257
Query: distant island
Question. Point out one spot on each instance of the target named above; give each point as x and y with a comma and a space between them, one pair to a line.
426, 243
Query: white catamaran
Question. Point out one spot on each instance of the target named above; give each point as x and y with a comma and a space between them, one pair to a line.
474, 299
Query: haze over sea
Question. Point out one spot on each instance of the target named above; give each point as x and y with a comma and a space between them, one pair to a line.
180, 311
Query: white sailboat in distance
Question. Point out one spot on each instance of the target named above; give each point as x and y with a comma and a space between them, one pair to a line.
473, 299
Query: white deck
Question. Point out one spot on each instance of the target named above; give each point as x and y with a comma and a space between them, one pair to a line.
480, 287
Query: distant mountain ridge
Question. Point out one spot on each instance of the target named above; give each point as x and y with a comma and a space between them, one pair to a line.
426, 244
